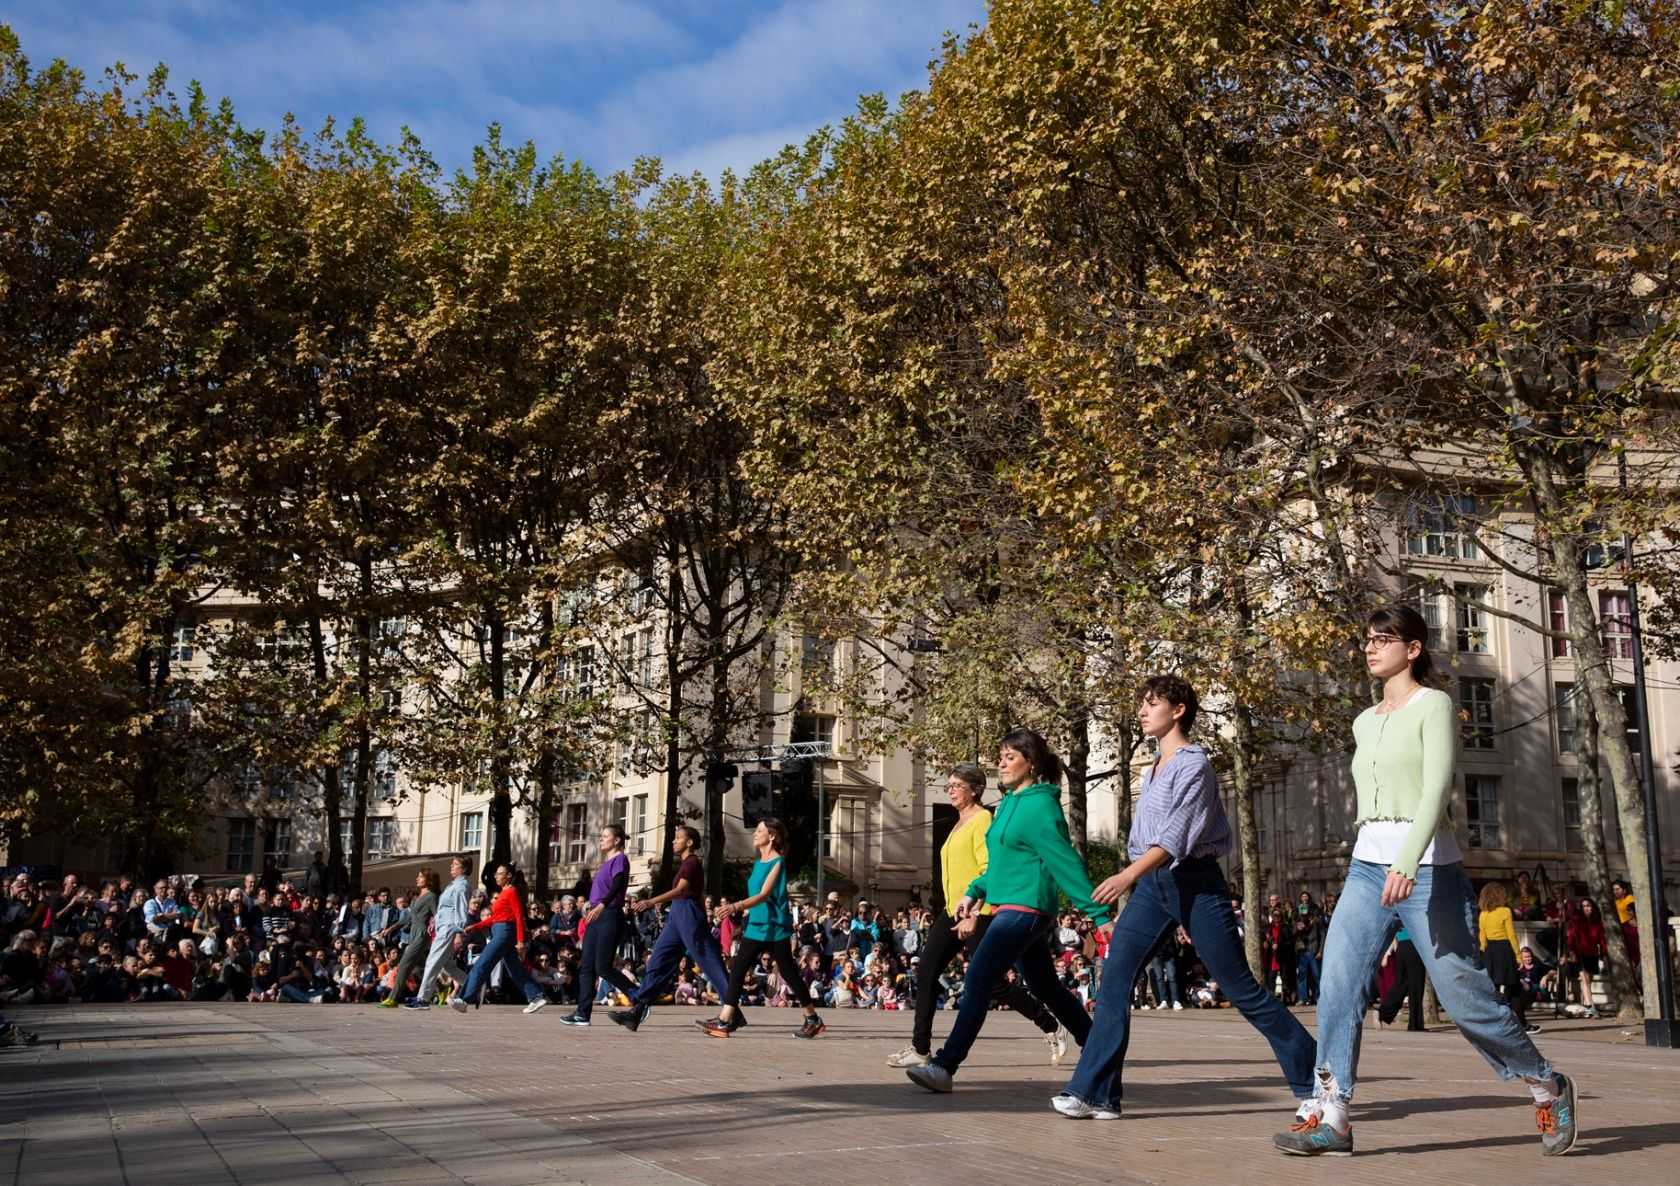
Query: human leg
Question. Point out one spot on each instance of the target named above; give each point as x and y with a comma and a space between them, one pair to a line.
440, 959
1360, 931
1006, 938
1097, 1078
501, 941
662, 965
940, 948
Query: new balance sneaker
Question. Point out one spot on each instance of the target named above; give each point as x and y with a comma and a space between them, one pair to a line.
1075, 1108
931, 1076
537, 1006
1556, 1120
1056, 1040
1310, 1136
908, 1057
812, 1027
630, 1019
577, 1019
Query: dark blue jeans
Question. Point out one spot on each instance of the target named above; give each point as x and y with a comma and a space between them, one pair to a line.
500, 950
1194, 895
1015, 939
600, 945
686, 929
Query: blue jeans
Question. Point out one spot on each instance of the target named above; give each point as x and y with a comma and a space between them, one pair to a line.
1014, 938
1306, 978
1440, 915
1192, 894
685, 930
500, 950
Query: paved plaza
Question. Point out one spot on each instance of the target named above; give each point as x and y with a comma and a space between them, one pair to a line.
207, 1094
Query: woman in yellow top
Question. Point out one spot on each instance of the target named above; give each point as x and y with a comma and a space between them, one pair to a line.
962, 858
1498, 935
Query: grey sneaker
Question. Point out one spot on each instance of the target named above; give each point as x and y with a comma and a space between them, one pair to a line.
931, 1076
537, 1006
1310, 1137
458, 1004
1556, 1120
908, 1057
1075, 1108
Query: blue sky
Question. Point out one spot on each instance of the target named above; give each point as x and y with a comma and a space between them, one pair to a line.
704, 84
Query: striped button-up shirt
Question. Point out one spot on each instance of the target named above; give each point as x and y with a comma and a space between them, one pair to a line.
1179, 810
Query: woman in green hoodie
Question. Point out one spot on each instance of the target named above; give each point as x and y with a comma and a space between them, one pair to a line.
1030, 858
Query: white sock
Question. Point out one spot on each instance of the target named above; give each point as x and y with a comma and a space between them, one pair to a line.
1543, 1093
1332, 1108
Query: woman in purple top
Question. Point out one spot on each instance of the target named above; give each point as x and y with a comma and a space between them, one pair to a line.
603, 922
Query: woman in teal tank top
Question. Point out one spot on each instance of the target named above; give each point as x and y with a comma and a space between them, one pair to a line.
769, 929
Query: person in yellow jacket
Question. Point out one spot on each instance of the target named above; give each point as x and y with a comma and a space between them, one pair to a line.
962, 858
1501, 951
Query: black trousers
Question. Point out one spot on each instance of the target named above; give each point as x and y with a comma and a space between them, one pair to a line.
940, 949
1407, 986
600, 948
746, 958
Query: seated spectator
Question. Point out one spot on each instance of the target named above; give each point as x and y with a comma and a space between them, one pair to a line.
152, 980
20, 971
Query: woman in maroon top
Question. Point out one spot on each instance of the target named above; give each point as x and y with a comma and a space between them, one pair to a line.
1584, 932
506, 946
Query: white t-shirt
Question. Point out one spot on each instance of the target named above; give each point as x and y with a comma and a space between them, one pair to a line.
1380, 841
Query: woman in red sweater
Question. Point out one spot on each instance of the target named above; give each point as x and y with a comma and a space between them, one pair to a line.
1584, 932
506, 946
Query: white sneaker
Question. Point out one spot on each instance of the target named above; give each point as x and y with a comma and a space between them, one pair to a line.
537, 1006
1056, 1040
458, 1004
931, 1076
1178, 1005
908, 1057
1075, 1108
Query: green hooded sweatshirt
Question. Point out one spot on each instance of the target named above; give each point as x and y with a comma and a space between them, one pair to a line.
1030, 856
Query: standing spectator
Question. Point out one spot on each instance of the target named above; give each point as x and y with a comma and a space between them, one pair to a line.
316, 878
162, 913
378, 915
1407, 985
1163, 972
1623, 898
1310, 928
1584, 936
1279, 945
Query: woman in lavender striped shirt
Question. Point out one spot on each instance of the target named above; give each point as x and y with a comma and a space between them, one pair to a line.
1179, 832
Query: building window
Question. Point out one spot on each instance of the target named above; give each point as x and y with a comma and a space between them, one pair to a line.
242, 845
583, 673
816, 660
472, 830
281, 783
1475, 709
1564, 698
384, 775
1428, 604
1481, 809
279, 842
346, 837
283, 647
247, 783
1615, 623
181, 643
1572, 813
1557, 620
638, 824
644, 661
1472, 619
382, 837
574, 834
621, 817
1438, 527
809, 726
177, 705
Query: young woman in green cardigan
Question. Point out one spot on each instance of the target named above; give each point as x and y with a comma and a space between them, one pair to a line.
1407, 871
1029, 858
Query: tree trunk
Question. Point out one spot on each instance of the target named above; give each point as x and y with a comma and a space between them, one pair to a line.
1594, 671
545, 756
1618, 972
1078, 721
332, 787
717, 741
501, 792
1248, 839
364, 718
673, 716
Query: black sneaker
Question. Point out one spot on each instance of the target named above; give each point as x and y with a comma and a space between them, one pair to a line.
630, 1019
812, 1027
574, 1019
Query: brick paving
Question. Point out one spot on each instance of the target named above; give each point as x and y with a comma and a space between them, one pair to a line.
295, 1094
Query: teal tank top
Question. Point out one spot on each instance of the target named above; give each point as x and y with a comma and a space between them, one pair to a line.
770, 919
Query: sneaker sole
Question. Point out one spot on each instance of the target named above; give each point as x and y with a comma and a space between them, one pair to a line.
717, 1033
1313, 1152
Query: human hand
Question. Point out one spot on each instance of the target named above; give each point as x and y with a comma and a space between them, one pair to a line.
965, 907
966, 926
1397, 888
1110, 890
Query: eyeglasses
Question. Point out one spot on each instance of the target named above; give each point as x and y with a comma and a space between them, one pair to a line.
1380, 640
